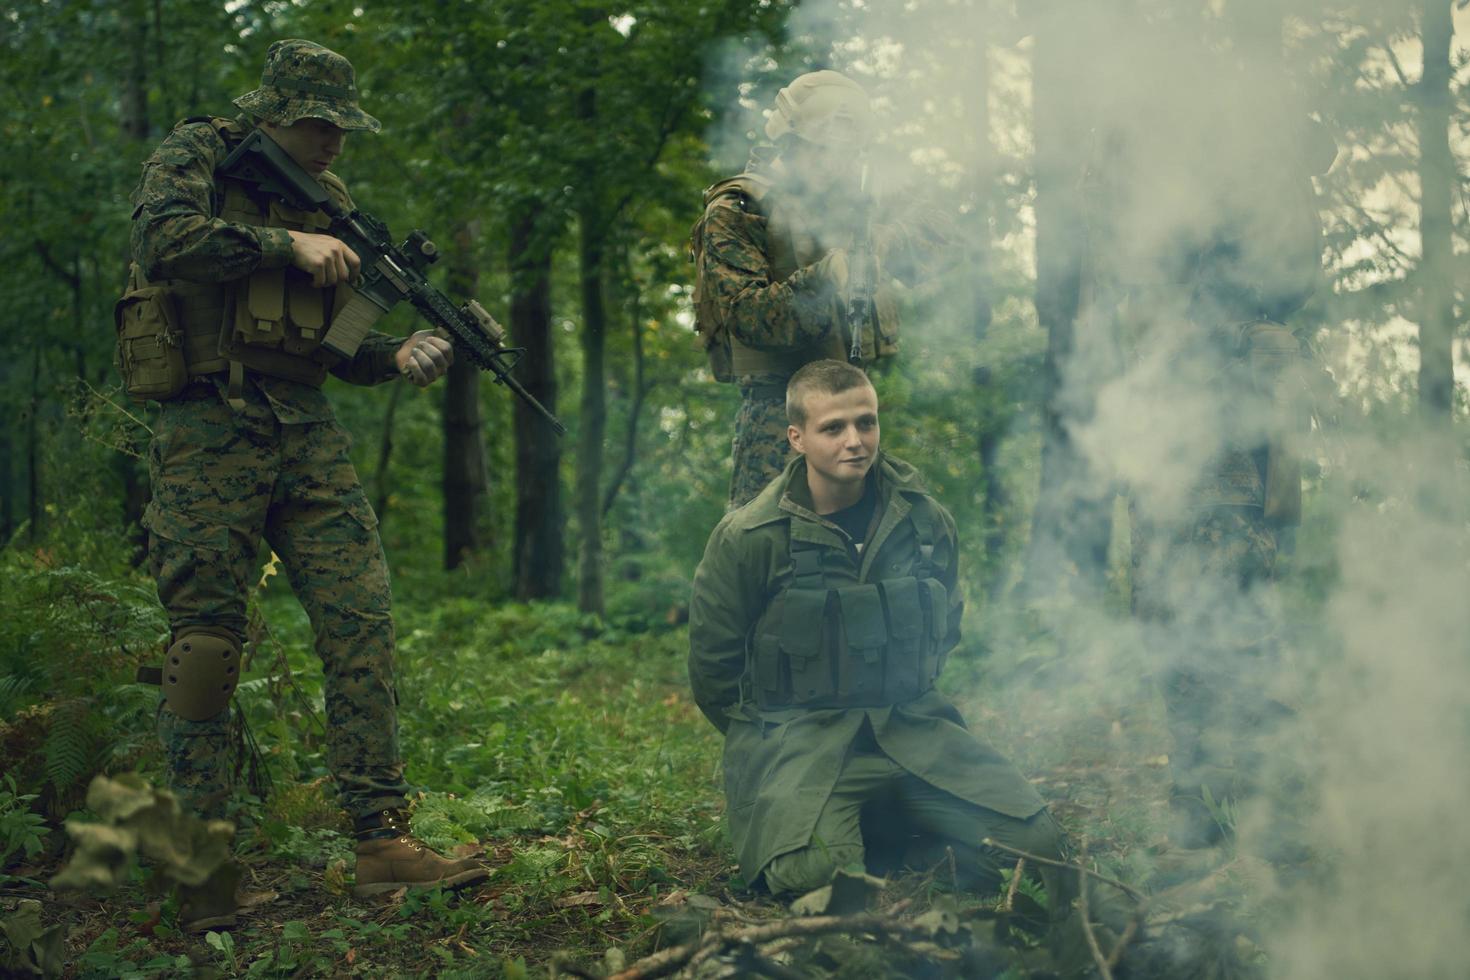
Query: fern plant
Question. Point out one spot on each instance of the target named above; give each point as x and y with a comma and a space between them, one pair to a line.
22, 830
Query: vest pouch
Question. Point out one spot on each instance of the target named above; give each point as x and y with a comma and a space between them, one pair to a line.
885, 302
305, 303
804, 644
860, 665
771, 680
937, 599
907, 675
261, 311
150, 346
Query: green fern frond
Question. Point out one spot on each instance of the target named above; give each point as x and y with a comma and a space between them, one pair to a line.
68, 746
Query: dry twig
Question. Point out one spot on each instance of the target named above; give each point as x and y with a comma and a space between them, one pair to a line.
1128, 890
1087, 933
1010, 901
675, 958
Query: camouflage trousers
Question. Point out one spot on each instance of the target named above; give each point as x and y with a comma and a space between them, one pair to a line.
760, 449
223, 481
1204, 589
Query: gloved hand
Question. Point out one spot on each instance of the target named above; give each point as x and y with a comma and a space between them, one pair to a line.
832, 268
424, 358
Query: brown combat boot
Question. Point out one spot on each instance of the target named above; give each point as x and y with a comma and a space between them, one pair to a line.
213, 904
389, 859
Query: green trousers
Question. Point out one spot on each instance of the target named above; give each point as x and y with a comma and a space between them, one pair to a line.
885, 818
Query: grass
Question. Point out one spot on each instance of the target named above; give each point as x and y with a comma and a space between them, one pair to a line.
570, 753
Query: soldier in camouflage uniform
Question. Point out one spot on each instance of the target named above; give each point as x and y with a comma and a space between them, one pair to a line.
771, 264
246, 448
1202, 578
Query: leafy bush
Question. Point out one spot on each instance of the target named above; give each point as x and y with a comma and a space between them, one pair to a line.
22, 830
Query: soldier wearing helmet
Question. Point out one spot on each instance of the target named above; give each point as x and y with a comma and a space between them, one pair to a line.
772, 254
228, 297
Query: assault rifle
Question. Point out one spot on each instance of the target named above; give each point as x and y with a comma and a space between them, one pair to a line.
390, 273
861, 281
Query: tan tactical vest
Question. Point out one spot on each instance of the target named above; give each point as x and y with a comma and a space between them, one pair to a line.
273, 320
790, 245
854, 645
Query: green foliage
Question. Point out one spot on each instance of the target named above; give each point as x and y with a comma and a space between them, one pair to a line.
31, 949
22, 830
133, 820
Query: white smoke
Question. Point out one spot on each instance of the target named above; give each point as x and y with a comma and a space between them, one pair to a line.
1173, 100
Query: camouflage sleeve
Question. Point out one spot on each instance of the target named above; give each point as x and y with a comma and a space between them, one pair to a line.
760, 313
722, 607
175, 232
374, 362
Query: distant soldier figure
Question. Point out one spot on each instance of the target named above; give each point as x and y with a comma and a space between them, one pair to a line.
775, 254
1214, 283
229, 295
822, 613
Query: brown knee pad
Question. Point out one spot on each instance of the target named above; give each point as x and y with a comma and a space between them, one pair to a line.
200, 672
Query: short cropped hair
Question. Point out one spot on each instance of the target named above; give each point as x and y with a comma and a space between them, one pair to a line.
827, 377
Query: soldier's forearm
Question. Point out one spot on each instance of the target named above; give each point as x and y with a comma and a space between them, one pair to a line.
783, 316
201, 249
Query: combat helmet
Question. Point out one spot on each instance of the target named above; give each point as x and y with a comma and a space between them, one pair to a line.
823, 107
303, 80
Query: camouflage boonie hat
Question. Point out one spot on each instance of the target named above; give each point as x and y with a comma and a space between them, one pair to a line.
303, 80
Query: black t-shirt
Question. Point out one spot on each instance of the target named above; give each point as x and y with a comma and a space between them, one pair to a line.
856, 519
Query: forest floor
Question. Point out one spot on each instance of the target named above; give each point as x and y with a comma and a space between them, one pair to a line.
569, 754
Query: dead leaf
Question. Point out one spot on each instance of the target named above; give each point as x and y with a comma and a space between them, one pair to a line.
579, 900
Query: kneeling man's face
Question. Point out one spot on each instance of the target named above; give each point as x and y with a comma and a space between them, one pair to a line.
840, 435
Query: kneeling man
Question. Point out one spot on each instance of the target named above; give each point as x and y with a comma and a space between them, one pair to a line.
822, 613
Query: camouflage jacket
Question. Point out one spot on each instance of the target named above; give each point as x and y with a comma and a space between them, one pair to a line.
177, 234
764, 310
782, 764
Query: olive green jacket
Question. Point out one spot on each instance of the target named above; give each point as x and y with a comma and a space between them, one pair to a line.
781, 764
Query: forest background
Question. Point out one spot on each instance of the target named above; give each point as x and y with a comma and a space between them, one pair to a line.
556, 150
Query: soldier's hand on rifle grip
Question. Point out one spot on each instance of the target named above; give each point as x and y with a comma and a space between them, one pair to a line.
327, 259
424, 358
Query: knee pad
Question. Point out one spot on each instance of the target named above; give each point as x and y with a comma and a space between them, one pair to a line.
200, 673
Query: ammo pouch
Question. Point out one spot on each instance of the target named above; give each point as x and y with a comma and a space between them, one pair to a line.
1272, 354
150, 344
857, 646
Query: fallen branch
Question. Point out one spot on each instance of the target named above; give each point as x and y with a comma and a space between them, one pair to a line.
1128, 890
1010, 902
674, 958
1087, 920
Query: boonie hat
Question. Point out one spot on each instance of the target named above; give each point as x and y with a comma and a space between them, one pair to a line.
303, 80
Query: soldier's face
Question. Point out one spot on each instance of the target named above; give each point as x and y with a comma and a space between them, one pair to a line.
313, 143
840, 436
826, 168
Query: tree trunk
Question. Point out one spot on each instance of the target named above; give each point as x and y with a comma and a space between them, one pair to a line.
640, 389
464, 475
593, 422
1071, 525
1436, 180
540, 523
133, 117
991, 418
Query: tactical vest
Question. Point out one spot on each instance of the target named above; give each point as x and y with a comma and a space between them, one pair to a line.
271, 321
790, 245
864, 645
